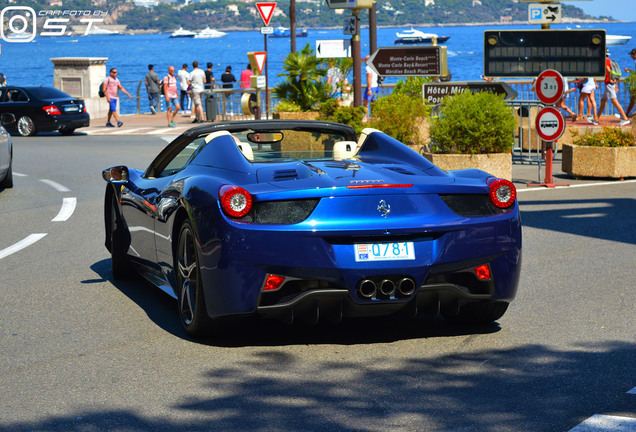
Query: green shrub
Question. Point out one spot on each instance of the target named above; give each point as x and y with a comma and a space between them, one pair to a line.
399, 115
352, 116
473, 123
412, 86
608, 137
287, 106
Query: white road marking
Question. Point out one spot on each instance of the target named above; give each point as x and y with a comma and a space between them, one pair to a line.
19, 175
21, 245
605, 423
614, 183
68, 207
55, 185
163, 131
127, 131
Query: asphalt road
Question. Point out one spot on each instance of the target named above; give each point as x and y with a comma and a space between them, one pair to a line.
81, 352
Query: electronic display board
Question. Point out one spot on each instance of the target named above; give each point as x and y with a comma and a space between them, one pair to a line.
527, 53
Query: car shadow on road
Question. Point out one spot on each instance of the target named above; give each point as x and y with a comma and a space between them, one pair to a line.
527, 388
251, 331
602, 218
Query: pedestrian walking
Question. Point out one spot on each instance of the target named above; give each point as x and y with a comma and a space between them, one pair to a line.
334, 81
588, 87
371, 90
172, 96
111, 87
183, 76
610, 93
631, 90
197, 81
152, 88
246, 77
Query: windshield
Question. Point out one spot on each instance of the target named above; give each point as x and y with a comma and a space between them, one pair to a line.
283, 145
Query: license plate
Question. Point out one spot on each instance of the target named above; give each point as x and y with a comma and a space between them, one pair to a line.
71, 109
384, 251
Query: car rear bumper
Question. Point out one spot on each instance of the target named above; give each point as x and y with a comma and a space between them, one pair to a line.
322, 274
70, 121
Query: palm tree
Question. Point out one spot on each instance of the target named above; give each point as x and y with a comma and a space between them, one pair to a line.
304, 85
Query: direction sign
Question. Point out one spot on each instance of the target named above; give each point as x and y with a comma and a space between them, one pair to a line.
549, 87
539, 13
550, 124
432, 93
333, 48
409, 61
266, 10
257, 60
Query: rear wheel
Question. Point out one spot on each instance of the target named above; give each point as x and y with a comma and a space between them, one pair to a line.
67, 130
480, 313
26, 126
118, 259
192, 308
7, 182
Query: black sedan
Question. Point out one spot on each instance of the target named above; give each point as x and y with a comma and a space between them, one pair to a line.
43, 109
6, 152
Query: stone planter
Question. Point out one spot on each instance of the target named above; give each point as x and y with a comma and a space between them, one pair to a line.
497, 164
300, 115
602, 162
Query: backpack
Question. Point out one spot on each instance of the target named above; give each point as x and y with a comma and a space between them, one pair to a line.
101, 89
616, 70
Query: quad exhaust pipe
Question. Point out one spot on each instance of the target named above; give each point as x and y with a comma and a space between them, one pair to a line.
386, 288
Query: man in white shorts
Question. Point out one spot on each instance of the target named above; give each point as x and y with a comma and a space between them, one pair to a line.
197, 79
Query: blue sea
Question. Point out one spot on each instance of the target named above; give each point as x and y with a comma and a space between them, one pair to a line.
30, 64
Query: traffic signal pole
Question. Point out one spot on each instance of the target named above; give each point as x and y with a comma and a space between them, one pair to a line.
357, 63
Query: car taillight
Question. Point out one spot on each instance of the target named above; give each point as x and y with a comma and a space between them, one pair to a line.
483, 272
502, 193
51, 109
235, 201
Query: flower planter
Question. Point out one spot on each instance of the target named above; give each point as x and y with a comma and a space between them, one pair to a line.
602, 162
497, 164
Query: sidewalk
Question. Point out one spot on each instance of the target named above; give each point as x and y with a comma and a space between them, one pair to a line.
522, 174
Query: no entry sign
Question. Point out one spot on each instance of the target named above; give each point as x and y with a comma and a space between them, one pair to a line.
550, 124
549, 87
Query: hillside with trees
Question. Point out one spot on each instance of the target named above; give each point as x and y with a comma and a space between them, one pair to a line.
238, 14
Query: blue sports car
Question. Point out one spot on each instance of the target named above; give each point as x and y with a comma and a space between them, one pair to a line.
304, 219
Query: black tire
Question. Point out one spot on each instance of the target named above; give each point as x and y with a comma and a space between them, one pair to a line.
118, 260
67, 131
192, 308
7, 182
26, 126
480, 313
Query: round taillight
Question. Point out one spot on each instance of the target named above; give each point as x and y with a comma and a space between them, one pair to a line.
503, 193
235, 201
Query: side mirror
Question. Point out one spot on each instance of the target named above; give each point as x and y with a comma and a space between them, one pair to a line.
118, 174
7, 119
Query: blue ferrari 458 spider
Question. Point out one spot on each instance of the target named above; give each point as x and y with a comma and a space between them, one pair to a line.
304, 219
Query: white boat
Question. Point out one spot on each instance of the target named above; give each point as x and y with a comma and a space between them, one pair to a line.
616, 39
98, 31
413, 36
209, 33
181, 33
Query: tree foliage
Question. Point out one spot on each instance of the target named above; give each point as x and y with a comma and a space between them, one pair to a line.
304, 80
